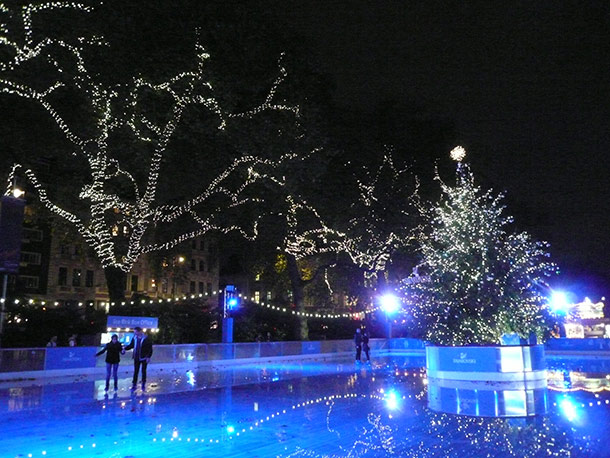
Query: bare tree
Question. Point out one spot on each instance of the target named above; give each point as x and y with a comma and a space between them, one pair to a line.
122, 107
376, 225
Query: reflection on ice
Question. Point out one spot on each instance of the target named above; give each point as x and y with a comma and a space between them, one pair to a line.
321, 410
484, 400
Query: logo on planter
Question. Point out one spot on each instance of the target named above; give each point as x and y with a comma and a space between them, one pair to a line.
463, 359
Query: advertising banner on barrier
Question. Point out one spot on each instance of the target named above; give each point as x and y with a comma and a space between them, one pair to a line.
69, 358
464, 359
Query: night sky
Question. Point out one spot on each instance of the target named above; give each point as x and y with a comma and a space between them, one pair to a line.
525, 83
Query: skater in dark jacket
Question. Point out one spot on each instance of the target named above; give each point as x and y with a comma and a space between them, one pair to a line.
365, 345
142, 351
113, 350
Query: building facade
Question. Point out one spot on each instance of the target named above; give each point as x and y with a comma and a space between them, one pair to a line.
55, 270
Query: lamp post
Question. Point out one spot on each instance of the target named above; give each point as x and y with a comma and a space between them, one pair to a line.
177, 266
230, 302
11, 226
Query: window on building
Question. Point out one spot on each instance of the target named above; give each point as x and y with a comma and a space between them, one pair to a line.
77, 250
201, 288
134, 283
201, 265
268, 295
76, 276
30, 257
164, 286
62, 279
89, 278
32, 235
257, 296
64, 249
202, 245
193, 264
29, 282
194, 244
209, 288
192, 287
209, 266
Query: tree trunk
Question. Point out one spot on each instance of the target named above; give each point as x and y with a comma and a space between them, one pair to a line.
298, 294
116, 281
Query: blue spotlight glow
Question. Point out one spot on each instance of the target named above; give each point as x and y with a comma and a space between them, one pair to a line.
390, 303
559, 303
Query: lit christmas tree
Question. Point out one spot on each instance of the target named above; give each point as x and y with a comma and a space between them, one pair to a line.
481, 279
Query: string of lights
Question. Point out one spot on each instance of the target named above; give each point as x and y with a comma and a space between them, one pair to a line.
480, 277
113, 112
195, 297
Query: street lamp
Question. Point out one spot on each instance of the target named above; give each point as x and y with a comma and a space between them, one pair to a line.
390, 304
17, 193
559, 303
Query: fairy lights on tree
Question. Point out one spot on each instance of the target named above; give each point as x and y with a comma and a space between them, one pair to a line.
122, 107
384, 223
366, 234
481, 277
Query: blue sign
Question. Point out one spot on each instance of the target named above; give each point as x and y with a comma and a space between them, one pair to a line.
145, 322
69, 357
578, 344
463, 359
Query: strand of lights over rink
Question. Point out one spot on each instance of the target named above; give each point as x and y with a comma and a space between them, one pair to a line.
185, 89
191, 297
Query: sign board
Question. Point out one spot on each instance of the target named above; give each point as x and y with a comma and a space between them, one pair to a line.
130, 322
463, 359
11, 222
69, 358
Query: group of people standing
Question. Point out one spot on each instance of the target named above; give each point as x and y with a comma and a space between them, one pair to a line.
142, 352
361, 340
71, 341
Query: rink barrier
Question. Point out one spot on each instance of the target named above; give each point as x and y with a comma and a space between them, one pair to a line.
31, 360
494, 364
58, 361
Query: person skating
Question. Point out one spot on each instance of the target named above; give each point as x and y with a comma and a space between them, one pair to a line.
142, 352
113, 350
365, 345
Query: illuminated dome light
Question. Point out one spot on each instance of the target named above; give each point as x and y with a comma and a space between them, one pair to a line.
458, 153
389, 303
